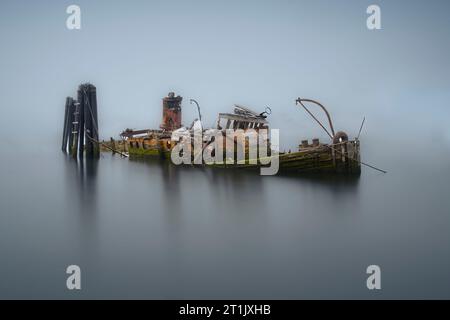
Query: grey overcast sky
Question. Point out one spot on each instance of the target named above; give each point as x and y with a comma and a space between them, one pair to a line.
255, 53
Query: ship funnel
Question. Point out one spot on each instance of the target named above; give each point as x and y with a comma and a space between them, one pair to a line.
171, 119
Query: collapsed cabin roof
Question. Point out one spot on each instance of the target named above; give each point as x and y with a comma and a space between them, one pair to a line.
244, 114
244, 118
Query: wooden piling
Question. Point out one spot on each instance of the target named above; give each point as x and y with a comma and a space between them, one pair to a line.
91, 122
75, 130
88, 123
70, 125
65, 134
80, 132
96, 136
81, 101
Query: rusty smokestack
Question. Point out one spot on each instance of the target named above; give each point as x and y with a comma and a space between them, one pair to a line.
171, 119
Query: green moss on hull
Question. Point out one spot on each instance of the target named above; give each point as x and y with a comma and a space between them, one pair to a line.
140, 152
317, 160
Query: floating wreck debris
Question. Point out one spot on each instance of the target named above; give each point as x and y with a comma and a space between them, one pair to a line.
81, 136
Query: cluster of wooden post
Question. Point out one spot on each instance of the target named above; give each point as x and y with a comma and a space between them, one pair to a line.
80, 131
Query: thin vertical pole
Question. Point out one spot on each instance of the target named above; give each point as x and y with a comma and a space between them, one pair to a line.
70, 125
88, 121
66, 125
82, 102
75, 130
93, 104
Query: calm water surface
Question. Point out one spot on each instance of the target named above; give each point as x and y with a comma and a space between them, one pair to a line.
149, 230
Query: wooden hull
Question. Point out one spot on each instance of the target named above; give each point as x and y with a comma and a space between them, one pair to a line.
342, 158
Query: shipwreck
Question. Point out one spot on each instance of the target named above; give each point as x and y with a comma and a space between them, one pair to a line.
230, 143
339, 155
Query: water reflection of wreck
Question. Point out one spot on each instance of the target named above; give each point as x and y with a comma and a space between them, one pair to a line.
341, 155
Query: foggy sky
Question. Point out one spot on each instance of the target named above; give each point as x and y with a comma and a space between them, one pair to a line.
255, 53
